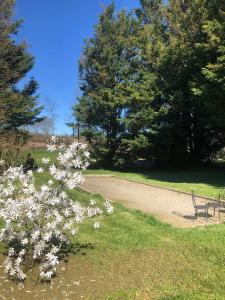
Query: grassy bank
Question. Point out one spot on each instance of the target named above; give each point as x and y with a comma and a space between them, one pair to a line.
137, 257
134, 256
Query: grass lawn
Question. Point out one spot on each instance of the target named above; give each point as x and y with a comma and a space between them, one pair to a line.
204, 181
134, 256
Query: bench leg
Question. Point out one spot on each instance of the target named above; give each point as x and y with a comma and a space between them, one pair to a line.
196, 211
206, 216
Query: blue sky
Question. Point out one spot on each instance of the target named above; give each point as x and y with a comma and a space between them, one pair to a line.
55, 31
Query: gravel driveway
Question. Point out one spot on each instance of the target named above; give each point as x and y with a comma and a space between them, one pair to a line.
169, 206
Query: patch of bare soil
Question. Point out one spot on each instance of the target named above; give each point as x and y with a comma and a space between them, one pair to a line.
86, 278
169, 206
35, 145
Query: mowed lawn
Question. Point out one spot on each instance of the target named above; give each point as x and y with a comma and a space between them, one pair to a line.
206, 181
134, 256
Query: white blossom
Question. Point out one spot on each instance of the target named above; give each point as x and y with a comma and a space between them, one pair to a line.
96, 225
74, 231
11, 251
50, 182
52, 259
2, 162
109, 207
39, 220
46, 275
51, 148
45, 160
92, 202
24, 241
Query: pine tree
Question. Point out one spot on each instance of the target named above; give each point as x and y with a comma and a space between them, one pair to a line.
105, 79
153, 86
18, 107
185, 49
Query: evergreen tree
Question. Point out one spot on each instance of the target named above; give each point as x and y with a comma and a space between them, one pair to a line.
148, 106
153, 87
105, 79
187, 123
18, 107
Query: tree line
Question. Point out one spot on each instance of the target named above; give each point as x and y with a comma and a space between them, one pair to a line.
153, 83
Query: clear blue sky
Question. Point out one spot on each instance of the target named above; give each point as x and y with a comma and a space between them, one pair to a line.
55, 31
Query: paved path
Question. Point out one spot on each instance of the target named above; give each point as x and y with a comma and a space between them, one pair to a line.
172, 207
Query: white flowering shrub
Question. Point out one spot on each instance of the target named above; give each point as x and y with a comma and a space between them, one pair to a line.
38, 221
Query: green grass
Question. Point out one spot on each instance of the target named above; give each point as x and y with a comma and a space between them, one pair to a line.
137, 256
134, 256
160, 261
204, 181
38, 154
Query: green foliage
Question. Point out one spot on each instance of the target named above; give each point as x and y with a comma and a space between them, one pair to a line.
18, 107
105, 74
193, 127
29, 163
153, 85
205, 181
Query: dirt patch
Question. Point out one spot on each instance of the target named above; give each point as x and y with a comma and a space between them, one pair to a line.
169, 206
85, 278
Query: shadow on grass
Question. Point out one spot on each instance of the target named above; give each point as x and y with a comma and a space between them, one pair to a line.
76, 249
213, 175
32, 265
